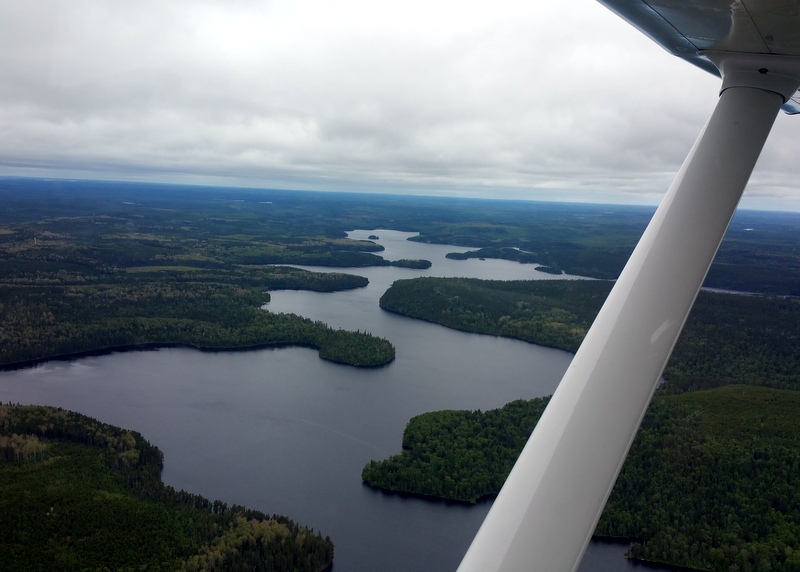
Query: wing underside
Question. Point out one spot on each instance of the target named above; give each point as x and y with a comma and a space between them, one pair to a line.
691, 29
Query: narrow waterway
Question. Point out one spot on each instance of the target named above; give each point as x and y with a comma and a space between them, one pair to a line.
282, 431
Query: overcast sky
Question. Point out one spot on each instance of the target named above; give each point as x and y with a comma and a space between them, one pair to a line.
511, 99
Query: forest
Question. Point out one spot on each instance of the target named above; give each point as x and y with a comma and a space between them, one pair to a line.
78, 494
710, 483
94, 282
728, 338
123, 225
58, 321
92, 266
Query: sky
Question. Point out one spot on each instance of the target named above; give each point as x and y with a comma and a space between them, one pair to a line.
509, 99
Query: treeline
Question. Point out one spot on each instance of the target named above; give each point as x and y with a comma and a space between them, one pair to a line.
318, 256
712, 480
728, 338
46, 322
262, 278
458, 455
86, 227
586, 240
360, 349
107, 270
94, 500
416, 263
507, 253
322, 256
553, 313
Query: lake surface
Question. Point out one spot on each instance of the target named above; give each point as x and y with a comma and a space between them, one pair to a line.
285, 432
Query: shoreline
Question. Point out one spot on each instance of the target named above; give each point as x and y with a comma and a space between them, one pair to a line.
25, 364
654, 564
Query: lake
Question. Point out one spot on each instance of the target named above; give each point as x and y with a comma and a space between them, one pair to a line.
282, 431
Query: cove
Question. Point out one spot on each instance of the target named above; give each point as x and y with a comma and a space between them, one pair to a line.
283, 431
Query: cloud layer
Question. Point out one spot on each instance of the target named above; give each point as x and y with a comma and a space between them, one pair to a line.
513, 99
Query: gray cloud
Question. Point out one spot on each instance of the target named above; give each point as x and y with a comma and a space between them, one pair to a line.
518, 99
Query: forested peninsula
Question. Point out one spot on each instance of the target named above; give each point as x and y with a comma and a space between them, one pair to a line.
728, 338
91, 266
713, 478
78, 494
55, 321
711, 481
97, 273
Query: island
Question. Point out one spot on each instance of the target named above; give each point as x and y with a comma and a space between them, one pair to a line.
418, 264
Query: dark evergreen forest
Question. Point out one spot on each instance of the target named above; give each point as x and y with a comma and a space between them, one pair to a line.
86, 271
711, 481
728, 338
77, 494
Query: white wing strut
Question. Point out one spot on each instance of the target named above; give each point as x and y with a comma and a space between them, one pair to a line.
548, 508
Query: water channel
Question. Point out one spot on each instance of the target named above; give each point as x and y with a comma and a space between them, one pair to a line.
284, 432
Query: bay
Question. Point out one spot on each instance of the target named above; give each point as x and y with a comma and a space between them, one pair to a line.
283, 431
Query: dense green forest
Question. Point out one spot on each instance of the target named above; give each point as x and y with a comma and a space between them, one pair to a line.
134, 224
77, 494
95, 265
458, 455
711, 481
50, 321
728, 338
88, 274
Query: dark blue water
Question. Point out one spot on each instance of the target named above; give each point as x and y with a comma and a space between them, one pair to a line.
282, 431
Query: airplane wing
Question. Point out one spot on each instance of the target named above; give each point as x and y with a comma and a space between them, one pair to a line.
548, 508
691, 29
